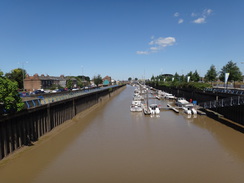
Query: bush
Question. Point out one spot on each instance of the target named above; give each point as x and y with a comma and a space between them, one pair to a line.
9, 96
178, 84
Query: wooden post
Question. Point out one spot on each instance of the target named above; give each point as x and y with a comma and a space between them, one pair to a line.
74, 108
1, 141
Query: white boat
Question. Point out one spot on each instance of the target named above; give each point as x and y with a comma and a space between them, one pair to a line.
154, 109
136, 106
194, 111
181, 102
186, 106
187, 110
169, 96
146, 109
158, 97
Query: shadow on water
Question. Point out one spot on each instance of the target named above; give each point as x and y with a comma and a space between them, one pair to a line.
229, 138
225, 121
27, 163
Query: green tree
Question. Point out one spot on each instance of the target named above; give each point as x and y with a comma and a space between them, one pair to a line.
182, 78
98, 80
211, 74
233, 69
69, 83
195, 76
17, 75
9, 97
129, 79
176, 77
87, 78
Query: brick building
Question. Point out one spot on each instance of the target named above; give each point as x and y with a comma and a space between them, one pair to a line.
36, 82
107, 81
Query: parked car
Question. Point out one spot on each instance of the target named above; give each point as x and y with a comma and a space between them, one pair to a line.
37, 92
57, 90
54, 91
47, 91
24, 94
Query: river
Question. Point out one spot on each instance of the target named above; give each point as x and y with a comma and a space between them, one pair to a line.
113, 145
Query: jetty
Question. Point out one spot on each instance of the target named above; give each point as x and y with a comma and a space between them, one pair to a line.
172, 108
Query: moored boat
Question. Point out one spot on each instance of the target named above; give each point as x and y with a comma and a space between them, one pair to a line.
136, 106
154, 109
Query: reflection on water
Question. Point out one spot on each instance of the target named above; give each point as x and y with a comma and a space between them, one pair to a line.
111, 144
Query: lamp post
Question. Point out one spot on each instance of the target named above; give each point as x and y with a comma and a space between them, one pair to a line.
242, 75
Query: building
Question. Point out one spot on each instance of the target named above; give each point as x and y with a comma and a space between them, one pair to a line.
36, 82
107, 81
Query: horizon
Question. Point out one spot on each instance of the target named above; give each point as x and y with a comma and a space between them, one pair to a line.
121, 39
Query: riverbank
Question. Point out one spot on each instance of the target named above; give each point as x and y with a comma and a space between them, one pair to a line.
58, 130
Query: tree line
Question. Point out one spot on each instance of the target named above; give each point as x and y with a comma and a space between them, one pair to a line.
193, 79
13, 82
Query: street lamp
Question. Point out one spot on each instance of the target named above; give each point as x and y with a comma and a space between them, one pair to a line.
242, 75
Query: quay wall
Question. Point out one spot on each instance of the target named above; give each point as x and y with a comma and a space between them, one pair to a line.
233, 113
27, 126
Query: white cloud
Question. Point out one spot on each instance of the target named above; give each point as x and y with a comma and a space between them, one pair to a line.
158, 44
163, 42
199, 20
176, 14
180, 21
207, 12
142, 52
154, 49
202, 19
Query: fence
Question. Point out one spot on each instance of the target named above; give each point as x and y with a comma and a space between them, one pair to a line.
232, 101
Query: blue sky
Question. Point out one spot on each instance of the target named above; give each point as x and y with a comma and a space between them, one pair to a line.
120, 38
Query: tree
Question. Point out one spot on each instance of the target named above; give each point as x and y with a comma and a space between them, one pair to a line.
83, 80
195, 76
17, 75
233, 70
182, 78
98, 80
69, 83
129, 79
176, 77
9, 97
211, 74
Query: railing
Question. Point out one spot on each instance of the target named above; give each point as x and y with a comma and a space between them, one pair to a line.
232, 101
49, 98
226, 91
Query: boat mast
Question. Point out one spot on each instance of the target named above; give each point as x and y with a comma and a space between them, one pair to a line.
147, 100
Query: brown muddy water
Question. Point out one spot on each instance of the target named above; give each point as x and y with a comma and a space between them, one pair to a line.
113, 145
